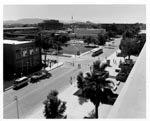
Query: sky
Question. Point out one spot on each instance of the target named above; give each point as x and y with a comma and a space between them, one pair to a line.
94, 13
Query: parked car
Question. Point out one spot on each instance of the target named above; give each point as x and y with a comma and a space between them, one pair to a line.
121, 77
109, 97
40, 75
20, 82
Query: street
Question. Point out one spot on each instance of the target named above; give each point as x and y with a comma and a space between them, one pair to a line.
32, 96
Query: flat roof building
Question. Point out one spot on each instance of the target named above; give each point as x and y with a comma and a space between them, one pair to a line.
20, 33
85, 32
20, 58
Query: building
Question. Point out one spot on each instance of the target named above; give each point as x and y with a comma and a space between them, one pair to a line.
85, 32
20, 33
20, 58
131, 102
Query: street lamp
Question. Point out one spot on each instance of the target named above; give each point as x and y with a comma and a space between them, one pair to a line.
21, 74
15, 75
16, 99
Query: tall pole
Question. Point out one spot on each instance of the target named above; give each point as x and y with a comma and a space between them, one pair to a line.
16, 98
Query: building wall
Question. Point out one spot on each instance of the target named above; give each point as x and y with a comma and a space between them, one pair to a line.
131, 102
21, 59
84, 32
20, 32
89, 31
9, 60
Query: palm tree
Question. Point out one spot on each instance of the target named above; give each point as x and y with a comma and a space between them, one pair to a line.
94, 84
54, 107
80, 80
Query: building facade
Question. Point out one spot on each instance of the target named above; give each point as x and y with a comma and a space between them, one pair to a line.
20, 58
86, 32
20, 33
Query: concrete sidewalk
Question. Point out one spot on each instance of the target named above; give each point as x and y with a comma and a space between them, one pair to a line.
54, 66
74, 109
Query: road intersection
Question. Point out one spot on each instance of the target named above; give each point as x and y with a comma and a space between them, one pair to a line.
32, 96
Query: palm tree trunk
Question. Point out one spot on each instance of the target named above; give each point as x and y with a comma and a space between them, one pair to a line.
129, 57
45, 58
96, 111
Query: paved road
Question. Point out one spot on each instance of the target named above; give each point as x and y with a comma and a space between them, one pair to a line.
32, 96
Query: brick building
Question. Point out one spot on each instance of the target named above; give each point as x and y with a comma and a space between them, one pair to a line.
20, 58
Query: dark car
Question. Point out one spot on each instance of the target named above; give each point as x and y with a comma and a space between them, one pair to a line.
20, 82
109, 97
121, 77
40, 75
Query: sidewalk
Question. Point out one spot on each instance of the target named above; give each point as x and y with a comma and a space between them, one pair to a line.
54, 66
47, 68
74, 109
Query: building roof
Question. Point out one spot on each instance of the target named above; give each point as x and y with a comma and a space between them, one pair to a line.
20, 28
15, 42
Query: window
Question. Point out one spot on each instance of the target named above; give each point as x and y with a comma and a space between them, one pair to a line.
18, 53
24, 52
37, 49
31, 51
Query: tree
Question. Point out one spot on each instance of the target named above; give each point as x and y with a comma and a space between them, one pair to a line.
141, 41
128, 34
80, 80
44, 42
110, 34
101, 39
93, 86
88, 40
128, 46
54, 107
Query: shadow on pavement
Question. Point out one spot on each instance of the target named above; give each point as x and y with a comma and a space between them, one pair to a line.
109, 97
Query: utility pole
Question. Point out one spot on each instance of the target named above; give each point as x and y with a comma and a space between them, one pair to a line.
72, 24
16, 99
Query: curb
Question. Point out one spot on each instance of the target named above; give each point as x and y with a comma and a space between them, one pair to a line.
8, 88
56, 67
35, 72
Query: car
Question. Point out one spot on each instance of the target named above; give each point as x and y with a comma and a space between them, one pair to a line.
20, 82
45, 74
109, 97
40, 75
121, 77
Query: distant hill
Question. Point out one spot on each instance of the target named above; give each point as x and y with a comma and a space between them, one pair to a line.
23, 21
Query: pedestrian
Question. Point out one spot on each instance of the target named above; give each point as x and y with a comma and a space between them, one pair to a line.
115, 62
120, 61
71, 80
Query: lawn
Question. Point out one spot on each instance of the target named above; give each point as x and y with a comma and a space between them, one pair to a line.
72, 49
